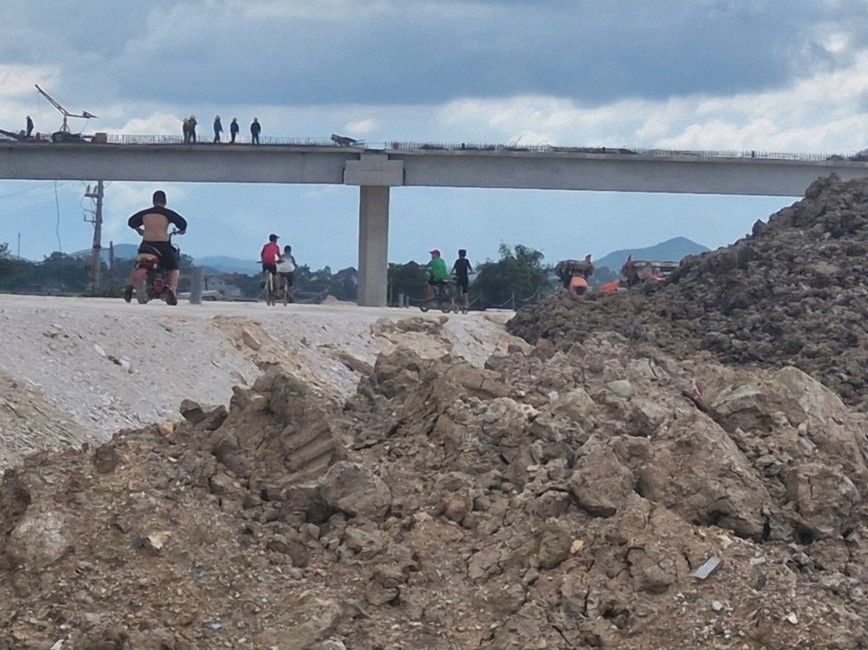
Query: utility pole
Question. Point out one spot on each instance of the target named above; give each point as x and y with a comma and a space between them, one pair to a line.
96, 251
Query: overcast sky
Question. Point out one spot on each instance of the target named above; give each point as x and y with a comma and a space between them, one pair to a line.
774, 75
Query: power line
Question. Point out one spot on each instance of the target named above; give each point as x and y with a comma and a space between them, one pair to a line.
57, 220
34, 192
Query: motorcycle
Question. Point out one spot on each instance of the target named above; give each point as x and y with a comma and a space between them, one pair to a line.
150, 280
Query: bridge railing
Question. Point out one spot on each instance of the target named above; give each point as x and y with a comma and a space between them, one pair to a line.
398, 145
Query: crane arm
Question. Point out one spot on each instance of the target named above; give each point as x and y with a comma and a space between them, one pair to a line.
60, 108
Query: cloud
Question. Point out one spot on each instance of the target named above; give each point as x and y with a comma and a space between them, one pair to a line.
399, 52
362, 127
716, 74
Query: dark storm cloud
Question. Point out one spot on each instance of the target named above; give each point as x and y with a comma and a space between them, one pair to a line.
415, 52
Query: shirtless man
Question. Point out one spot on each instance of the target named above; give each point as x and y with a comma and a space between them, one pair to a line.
153, 225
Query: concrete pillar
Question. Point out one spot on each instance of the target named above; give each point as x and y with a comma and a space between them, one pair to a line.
373, 245
197, 279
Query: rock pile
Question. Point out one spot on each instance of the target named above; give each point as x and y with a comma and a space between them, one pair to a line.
671, 469
600, 495
794, 292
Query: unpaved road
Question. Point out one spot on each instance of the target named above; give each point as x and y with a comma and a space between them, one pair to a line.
76, 369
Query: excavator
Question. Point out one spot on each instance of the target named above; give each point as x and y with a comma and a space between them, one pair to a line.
640, 272
20, 136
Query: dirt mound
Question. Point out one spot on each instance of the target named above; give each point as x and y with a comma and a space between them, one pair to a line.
604, 495
792, 293
28, 422
82, 369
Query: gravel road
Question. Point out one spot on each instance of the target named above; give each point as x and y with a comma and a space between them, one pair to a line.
83, 368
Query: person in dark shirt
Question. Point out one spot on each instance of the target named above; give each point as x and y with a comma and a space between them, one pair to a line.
233, 129
153, 225
462, 270
255, 128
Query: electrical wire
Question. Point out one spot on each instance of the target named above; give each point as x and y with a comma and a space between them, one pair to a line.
57, 221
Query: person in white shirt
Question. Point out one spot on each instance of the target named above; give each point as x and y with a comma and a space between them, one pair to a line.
286, 268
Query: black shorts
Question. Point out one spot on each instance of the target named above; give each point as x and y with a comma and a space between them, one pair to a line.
463, 284
168, 254
435, 283
288, 276
269, 267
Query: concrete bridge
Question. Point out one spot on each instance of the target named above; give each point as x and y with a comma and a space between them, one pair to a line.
376, 171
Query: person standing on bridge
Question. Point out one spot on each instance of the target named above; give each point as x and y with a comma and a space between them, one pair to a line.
29, 127
153, 225
218, 129
190, 130
233, 129
255, 128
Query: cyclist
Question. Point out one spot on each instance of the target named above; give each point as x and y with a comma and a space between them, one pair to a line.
153, 225
286, 268
438, 275
269, 256
462, 269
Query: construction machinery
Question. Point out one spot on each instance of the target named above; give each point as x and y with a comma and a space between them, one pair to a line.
640, 272
20, 136
64, 134
574, 274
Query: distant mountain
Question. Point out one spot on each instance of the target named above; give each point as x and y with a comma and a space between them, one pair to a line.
122, 252
669, 250
225, 264
221, 264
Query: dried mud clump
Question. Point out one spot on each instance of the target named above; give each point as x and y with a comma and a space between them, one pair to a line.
794, 292
603, 495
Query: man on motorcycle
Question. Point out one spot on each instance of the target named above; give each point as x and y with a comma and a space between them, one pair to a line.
153, 225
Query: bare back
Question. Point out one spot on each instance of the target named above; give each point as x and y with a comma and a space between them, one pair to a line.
153, 223
156, 227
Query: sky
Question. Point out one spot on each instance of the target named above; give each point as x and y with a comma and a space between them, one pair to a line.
766, 75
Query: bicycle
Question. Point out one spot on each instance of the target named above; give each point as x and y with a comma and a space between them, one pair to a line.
444, 298
269, 288
286, 289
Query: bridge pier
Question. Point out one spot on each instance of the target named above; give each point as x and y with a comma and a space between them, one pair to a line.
373, 245
374, 173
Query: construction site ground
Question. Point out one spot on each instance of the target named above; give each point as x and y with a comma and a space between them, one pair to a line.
679, 467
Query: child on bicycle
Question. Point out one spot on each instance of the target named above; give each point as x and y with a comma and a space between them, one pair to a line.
438, 274
286, 270
462, 270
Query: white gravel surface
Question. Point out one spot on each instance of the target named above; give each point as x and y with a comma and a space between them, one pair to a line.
75, 369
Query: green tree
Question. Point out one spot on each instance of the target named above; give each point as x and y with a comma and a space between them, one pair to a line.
61, 273
516, 279
344, 284
14, 273
603, 275
408, 279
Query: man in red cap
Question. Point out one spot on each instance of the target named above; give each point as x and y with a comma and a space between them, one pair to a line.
437, 273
